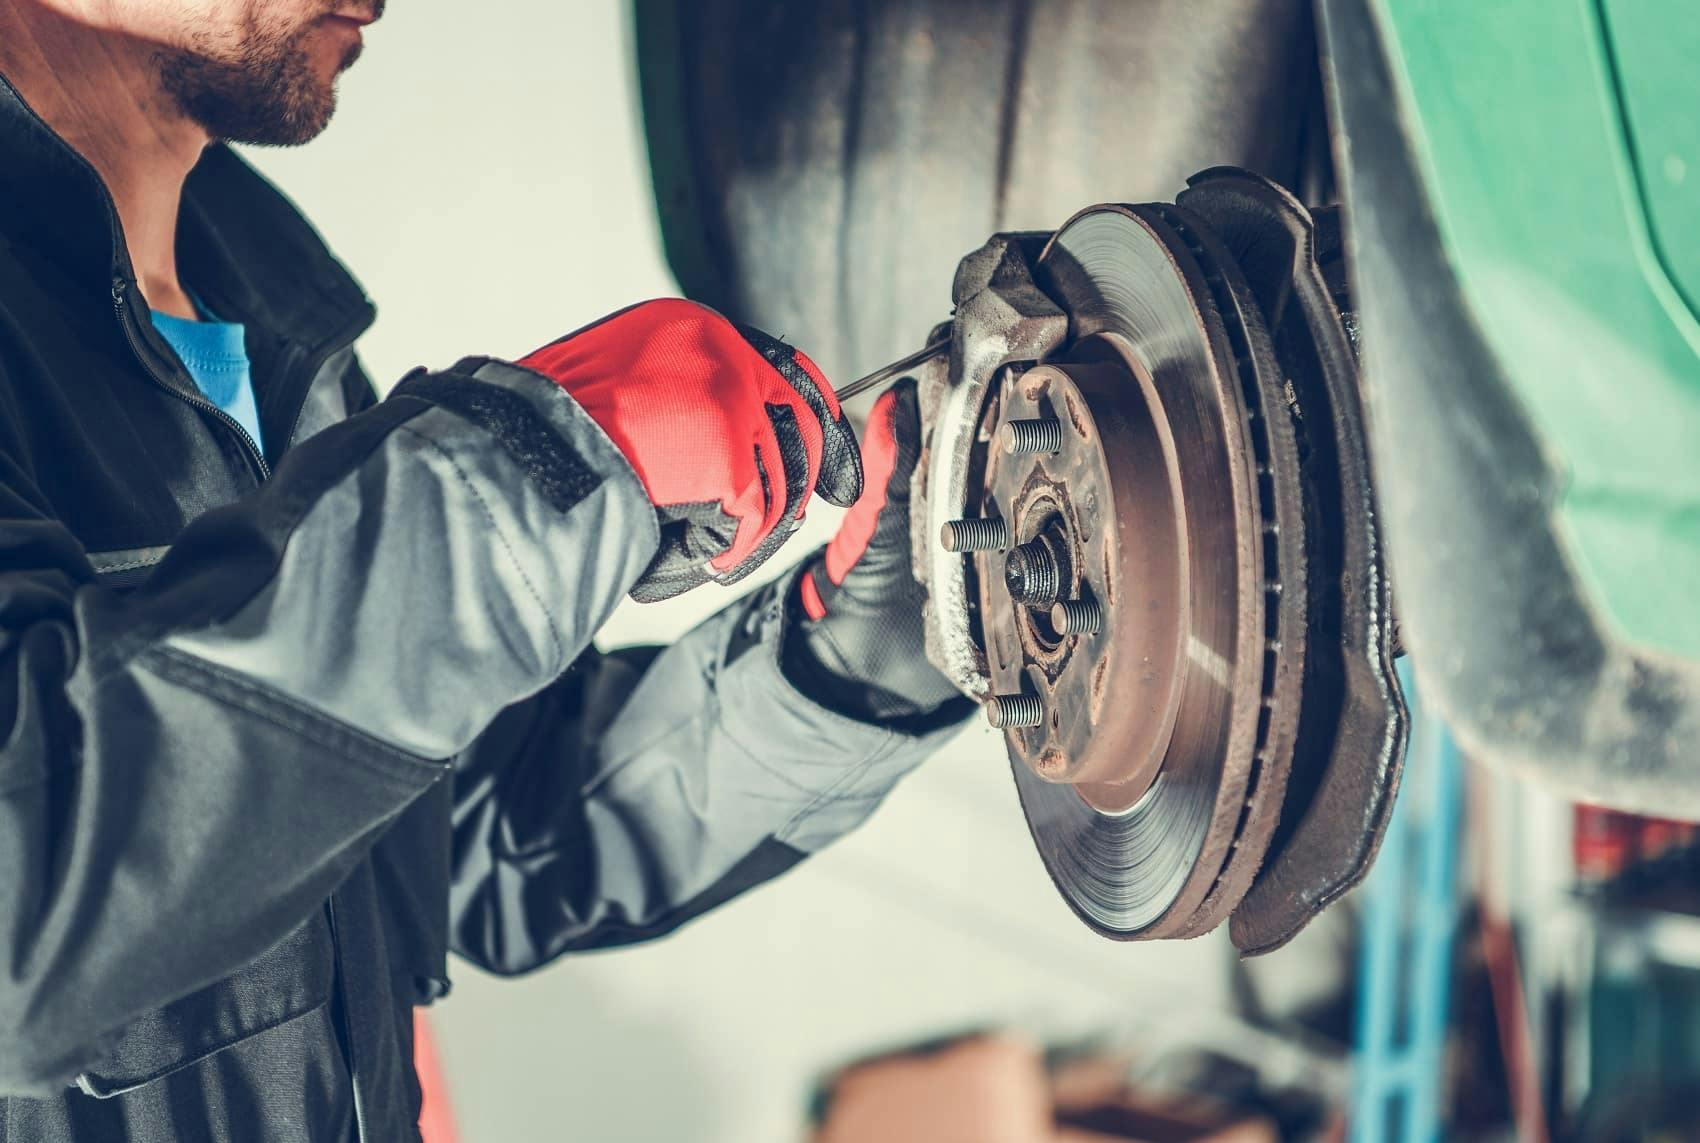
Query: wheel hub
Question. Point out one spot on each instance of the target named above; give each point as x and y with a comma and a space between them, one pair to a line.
1102, 511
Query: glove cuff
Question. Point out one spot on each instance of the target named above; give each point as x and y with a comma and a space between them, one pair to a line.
842, 661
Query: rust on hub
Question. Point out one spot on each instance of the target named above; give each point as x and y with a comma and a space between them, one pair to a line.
1097, 519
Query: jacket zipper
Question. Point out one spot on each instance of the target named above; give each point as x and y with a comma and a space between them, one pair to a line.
360, 1129
120, 294
314, 361
120, 288
310, 366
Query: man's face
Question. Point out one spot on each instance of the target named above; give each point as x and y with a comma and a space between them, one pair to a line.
261, 71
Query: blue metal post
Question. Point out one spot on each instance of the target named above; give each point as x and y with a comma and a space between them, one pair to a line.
1410, 911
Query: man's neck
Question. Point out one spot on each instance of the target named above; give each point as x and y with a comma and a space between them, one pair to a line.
99, 93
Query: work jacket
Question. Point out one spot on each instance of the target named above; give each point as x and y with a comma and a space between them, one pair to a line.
279, 730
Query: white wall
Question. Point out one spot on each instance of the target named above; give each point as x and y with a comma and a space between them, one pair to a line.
486, 180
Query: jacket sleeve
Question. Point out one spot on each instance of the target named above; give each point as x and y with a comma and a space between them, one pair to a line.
648, 786
190, 768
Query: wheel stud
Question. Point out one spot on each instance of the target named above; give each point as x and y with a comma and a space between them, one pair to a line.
1042, 434
1077, 617
988, 534
1009, 712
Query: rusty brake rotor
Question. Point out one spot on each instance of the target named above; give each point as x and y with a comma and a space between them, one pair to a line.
1143, 509
1157, 510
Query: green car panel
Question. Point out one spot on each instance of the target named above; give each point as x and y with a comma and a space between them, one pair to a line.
1561, 151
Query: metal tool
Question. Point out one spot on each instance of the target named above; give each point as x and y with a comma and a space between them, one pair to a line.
880, 378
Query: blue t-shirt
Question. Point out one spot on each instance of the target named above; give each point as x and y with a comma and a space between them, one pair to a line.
216, 356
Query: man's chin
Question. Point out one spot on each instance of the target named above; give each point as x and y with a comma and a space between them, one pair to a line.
349, 57
285, 104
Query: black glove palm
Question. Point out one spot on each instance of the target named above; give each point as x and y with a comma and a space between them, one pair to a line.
862, 648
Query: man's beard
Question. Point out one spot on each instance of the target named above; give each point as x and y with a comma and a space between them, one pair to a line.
268, 95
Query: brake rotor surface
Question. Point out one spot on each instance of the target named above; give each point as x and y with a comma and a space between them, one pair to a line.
1168, 514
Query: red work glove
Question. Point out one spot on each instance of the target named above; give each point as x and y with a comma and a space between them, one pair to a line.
728, 429
861, 647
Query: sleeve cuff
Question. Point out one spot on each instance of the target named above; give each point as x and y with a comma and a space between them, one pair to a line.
762, 705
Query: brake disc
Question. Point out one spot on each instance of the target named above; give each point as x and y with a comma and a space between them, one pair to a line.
1353, 723
1142, 510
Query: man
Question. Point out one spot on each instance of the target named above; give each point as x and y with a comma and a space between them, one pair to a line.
295, 692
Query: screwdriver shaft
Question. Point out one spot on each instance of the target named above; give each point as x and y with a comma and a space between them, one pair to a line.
879, 378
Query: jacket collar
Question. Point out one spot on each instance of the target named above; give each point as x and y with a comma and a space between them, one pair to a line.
241, 243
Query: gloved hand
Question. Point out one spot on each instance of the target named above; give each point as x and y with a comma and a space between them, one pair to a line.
728, 429
860, 645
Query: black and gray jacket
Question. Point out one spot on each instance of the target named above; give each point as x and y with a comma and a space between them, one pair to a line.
278, 732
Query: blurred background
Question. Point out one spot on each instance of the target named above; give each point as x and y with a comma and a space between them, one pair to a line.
1555, 965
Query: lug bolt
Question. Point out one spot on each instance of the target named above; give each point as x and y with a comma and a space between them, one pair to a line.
988, 534
1008, 712
1031, 574
1043, 434
1077, 617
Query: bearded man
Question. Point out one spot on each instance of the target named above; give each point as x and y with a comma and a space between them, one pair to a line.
296, 687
